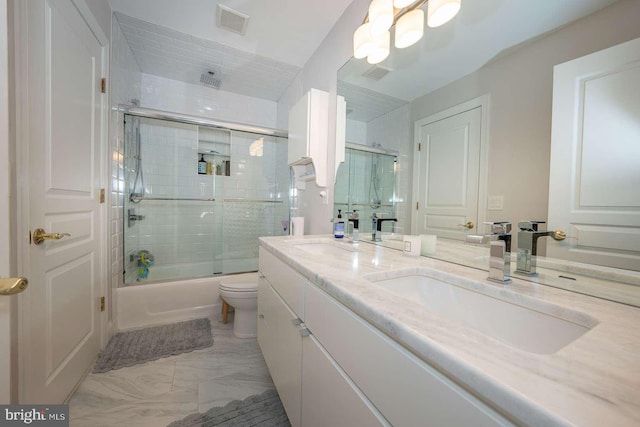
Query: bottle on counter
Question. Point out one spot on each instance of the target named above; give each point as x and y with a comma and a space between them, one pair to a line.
338, 226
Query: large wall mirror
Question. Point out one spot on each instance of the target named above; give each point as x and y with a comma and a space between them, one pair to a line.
492, 68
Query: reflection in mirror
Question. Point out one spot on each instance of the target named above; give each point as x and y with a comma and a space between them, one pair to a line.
466, 60
366, 184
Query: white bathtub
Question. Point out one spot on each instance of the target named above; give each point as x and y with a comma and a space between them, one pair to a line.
149, 304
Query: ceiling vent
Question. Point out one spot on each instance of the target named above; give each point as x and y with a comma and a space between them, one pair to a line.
207, 79
376, 72
232, 20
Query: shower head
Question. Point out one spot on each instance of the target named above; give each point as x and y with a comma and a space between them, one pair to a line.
207, 79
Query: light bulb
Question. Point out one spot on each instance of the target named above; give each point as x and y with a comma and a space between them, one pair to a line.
380, 16
381, 50
409, 28
362, 41
440, 12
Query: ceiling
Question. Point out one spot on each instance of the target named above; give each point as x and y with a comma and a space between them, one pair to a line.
479, 33
180, 39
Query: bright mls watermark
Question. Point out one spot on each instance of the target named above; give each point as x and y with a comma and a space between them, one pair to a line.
34, 415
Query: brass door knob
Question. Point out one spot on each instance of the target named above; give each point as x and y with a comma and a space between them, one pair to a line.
469, 225
13, 285
39, 236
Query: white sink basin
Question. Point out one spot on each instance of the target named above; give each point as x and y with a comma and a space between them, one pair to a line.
525, 323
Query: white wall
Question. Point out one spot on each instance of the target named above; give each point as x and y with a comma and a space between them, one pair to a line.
356, 132
520, 86
320, 72
195, 99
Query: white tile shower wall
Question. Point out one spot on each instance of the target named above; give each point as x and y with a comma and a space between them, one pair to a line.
195, 99
393, 131
124, 85
356, 132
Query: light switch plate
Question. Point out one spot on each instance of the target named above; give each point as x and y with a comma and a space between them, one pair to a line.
496, 203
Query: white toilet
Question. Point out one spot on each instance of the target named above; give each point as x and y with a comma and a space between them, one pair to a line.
241, 293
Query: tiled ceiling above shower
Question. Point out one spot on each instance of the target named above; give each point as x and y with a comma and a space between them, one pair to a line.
179, 56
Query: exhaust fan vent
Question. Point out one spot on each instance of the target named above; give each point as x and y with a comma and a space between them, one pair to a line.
207, 79
232, 20
376, 72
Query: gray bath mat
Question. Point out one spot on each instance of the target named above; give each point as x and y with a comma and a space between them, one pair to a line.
264, 410
134, 347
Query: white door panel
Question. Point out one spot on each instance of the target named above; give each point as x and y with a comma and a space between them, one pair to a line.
61, 331
449, 168
594, 191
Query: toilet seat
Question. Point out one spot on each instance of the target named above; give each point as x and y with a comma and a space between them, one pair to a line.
238, 286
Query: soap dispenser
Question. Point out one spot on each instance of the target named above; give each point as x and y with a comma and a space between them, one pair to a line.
202, 165
338, 226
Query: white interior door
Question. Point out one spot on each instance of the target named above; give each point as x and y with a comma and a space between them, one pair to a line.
594, 189
448, 174
5, 315
60, 330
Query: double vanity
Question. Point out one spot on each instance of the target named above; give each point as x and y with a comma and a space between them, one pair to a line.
362, 335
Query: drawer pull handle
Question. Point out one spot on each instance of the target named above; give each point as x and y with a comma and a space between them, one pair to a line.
296, 321
304, 331
261, 316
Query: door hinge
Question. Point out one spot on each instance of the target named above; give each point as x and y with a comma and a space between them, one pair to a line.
419, 146
102, 195
101, 303
103, 85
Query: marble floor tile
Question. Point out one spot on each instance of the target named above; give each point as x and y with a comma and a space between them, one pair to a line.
157, 393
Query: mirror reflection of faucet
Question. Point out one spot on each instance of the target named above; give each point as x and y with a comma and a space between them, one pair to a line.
376, 226
528, 236
354, 218
499, 252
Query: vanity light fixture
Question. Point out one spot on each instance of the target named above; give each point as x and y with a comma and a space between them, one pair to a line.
372, 38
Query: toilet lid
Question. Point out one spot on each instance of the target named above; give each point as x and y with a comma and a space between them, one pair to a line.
239, 286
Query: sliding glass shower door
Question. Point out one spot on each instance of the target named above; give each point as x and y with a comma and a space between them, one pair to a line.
198, 198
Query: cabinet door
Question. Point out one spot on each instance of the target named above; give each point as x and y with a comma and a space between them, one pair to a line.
329, 397
287, 282
281, 345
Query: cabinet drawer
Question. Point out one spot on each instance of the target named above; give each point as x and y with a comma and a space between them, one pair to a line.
284, 279
329, 397
406, 390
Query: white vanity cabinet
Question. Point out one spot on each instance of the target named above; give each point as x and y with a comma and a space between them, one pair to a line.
346, 371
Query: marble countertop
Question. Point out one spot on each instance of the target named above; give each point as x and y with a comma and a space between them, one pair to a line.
593, 381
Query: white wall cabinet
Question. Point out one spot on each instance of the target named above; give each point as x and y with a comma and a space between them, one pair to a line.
346, 371
308, 137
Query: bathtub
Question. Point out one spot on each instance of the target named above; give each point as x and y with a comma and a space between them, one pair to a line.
150, 304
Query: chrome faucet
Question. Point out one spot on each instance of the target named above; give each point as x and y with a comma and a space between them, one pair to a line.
376, 226
499, 252
528, 245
